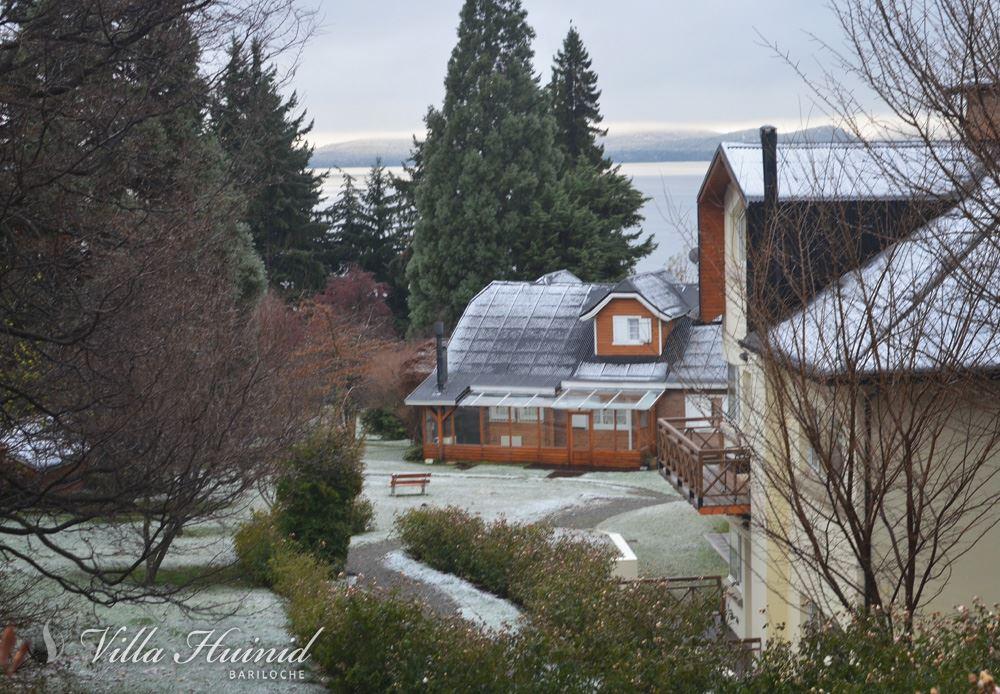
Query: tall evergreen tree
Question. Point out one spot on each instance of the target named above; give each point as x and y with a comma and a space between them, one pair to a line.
386, 211
576, 102
350, 232
600, 238
263, 135
489, 168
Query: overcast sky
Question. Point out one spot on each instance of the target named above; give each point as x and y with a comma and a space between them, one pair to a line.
374, 66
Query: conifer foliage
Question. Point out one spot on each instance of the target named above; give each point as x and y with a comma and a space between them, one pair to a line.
511, 181
489, 168
600, 230
263, 136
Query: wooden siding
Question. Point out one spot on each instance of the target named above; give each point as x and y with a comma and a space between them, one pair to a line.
604, 329
555, 457
712, 242
544, 442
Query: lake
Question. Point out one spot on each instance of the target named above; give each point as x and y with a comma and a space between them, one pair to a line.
671, 186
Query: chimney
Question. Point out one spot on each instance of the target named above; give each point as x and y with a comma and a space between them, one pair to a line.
769, 153
442, 356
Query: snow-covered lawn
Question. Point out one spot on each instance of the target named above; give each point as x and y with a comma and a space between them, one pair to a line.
669, 540
519, 493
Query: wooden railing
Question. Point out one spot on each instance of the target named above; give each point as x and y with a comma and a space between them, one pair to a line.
689, 588
695, 455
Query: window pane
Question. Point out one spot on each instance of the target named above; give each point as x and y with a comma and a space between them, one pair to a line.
467, 425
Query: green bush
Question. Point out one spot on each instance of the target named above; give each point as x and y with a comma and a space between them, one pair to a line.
414, 453
585, 627
384, 424
362, 515
256, 542
376, 643
510, 560
945, 653
317, 491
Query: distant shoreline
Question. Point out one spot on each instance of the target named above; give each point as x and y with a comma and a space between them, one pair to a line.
634, 148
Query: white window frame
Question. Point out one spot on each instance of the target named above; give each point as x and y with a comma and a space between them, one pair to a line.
605, 419
499, 414
622, 332
527, 414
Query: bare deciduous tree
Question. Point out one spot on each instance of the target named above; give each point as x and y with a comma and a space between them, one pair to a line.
875, 325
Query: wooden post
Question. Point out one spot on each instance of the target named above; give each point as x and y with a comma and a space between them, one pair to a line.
538, 428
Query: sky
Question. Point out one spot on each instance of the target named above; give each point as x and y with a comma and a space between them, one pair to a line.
374, 66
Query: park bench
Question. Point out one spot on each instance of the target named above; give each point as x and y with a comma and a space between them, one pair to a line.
411, 479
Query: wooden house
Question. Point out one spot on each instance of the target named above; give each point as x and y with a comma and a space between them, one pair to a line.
562, 372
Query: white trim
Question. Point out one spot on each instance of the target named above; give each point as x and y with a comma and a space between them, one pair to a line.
623, 295
427, 403
642, 385
511, 390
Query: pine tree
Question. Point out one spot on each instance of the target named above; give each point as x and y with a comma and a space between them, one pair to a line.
489, 169
350, 231
264, 139
602, 205
576, 102
386, 211
178, 152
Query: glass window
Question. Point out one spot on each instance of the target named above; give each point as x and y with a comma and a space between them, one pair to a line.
430, 429
631, 330
526, 414
467, 426
733, 377
735, 558
499, 414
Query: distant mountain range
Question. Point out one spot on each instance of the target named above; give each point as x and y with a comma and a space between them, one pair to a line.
653, 145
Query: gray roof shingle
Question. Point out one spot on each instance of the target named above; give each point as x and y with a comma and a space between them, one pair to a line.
529, 335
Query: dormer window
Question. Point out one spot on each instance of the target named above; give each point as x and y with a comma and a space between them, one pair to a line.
632, 330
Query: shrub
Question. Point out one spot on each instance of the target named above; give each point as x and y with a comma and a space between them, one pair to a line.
945, 653
510, 560
414, 453
362, 515
384, 423
317, 491
256, 542
585, 627
376, 643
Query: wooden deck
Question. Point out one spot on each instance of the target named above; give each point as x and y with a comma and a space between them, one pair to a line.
695, 456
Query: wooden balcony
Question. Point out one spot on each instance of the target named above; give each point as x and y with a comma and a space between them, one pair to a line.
699, 459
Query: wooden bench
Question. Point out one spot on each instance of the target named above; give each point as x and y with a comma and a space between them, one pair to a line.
410, 479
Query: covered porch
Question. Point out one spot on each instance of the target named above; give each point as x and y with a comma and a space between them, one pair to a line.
592, 428
706, 463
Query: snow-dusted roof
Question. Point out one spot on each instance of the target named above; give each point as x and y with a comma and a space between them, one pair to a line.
33, 445
559, 277
845, 170
663, 294
527, 335
617, 371
926, 302
702, 363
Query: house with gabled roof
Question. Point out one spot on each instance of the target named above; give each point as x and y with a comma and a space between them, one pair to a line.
563, 372
907, 300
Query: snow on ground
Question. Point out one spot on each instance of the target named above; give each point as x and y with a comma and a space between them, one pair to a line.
669, 540
475, 605
667, 537
519, 493
257, 614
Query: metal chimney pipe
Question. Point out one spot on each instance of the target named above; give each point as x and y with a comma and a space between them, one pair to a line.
769, 154
442, 356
